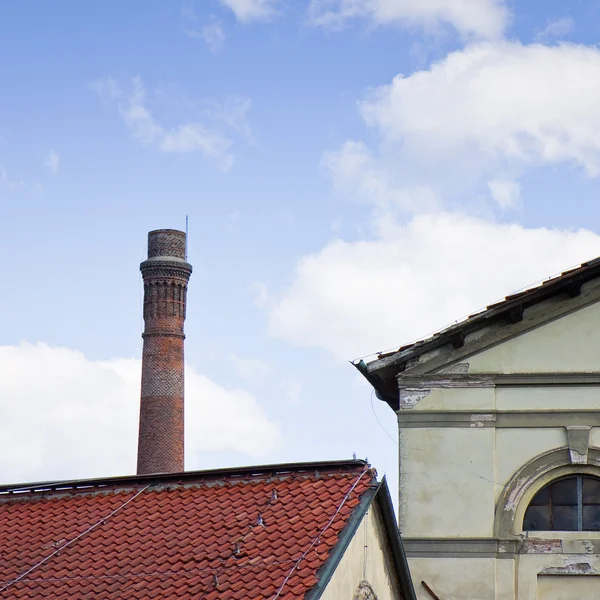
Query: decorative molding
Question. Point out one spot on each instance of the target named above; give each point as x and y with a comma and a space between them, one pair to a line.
500, 419
486, 380
531, 478
579, 442
163, 333
446, 380
498, 547
459, 547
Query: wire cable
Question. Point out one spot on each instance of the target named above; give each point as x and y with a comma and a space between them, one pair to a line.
380, 424
316, 540
72, 541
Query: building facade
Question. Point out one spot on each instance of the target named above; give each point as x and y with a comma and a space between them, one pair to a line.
499, 447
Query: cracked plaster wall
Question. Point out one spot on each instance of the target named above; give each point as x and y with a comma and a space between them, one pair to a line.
451, 477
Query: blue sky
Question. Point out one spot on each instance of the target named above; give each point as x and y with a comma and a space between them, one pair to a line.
357, 173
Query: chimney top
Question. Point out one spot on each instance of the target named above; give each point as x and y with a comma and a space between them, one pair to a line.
166, 243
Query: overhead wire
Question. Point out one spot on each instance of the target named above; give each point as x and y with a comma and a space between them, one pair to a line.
380, 424
71, 541
319, 535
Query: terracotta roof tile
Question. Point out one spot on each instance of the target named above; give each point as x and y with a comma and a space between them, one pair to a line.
221, 536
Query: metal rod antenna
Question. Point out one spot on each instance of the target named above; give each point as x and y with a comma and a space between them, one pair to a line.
186, 237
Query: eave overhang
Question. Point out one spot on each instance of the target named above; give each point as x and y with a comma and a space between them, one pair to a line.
383, 372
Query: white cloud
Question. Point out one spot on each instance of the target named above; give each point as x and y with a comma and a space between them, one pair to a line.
444, 135
556, 29
137, 116
354, 168
52, 161
505, 192
293, 391
253, 10
252, 370
497, 101
233, 113
10, 184
213, 35
194, 136
185, 138
352, 298
481, 18
78, 418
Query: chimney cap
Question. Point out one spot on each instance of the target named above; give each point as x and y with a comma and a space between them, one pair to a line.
167, 243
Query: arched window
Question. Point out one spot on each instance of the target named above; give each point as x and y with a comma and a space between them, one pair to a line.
569, 504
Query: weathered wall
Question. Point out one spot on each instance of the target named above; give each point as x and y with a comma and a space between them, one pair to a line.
367, 558
477, 444
567, 588
567, 344
449, 579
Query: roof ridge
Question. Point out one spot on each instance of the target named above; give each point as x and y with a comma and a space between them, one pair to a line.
250, 472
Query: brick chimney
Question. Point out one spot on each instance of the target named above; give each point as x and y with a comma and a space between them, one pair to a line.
166, 274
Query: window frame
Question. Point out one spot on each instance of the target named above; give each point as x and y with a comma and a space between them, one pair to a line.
580, 503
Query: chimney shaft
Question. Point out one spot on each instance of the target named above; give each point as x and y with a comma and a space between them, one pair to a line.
166, 274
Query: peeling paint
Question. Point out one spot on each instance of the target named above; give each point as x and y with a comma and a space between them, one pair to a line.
542, 546
410, 397
579, 547
580, 568
462, 367
511, 504
478, 419
445, 380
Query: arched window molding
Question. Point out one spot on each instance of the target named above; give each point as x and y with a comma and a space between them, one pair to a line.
530, 479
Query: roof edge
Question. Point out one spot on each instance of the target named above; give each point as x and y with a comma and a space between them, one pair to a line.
185, 476
380, 494
344, 539
568, 282
395, 539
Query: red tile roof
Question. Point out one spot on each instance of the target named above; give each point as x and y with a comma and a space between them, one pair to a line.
261, 533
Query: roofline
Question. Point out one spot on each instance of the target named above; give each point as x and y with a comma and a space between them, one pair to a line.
395, 539
552, 287
378, 492
511, 309
185, 476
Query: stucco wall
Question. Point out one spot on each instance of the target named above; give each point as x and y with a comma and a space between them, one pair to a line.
552, 587
447, 486
449, 579
567, 344
461, 446
366, 558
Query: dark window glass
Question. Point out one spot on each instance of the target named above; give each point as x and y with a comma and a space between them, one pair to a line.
591, 518
564, 518
591, 491
569, 504
537, 518
541, 498
564, 492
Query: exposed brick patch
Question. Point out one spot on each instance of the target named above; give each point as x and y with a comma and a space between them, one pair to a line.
161, 434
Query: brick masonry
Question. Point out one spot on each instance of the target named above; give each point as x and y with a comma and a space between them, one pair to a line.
166, 274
